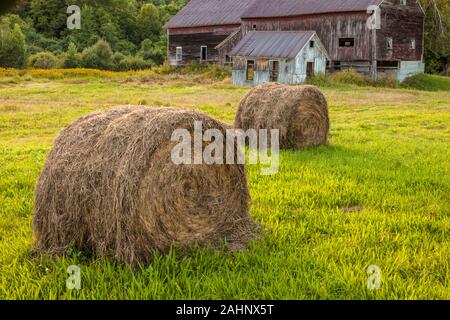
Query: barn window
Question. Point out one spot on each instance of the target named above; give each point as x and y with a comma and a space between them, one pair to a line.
204, 53
179, 54
412, 44
254, 27
311, 44
346, 42
250, 70
387, 64
389, 43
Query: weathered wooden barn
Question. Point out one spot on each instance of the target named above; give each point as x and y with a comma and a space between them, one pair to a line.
375, 37
278, 56
200, 26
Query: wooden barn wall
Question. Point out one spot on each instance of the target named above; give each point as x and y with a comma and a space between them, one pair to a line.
191, 41
329, 27
228, 44
402, 23
307, 54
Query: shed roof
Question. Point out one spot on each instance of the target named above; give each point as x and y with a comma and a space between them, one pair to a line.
287, 8
272, 44
200, 13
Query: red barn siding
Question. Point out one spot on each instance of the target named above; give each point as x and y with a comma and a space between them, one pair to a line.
329, 27
402, 23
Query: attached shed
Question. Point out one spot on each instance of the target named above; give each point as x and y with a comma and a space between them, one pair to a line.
278, 56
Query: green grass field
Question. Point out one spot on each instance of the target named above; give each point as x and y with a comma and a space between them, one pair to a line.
379, 194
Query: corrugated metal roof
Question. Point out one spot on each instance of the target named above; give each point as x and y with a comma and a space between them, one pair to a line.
200, 13
287, 8
272, 44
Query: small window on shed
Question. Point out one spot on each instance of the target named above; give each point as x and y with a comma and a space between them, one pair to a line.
403, 2
254, 27
413, 44
346, 42
179, 54
389, 43
311, 44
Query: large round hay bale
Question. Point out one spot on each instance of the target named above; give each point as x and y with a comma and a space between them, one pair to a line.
299, 112
109, 186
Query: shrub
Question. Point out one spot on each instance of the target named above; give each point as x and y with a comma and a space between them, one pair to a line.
99, 56
12, 45
320, 80
151, 51
217, 72
388, 82
427, 82
165, 68
72, 58
32, 49
117, 58
133, 63
349, 77
43, 60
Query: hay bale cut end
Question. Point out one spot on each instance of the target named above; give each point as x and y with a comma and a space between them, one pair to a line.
109, 186
300, 113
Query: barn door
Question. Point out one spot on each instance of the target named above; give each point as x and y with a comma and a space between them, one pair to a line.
274, 67
310, 69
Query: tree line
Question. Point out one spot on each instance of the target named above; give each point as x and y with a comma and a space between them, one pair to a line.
115, 34
128, 34
437, 35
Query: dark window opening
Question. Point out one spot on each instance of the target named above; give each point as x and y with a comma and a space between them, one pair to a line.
311, 44
250, 70
204, 53
254, 27
387, 64
346, 42
227, 59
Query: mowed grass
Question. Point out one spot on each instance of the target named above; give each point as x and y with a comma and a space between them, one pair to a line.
379, 194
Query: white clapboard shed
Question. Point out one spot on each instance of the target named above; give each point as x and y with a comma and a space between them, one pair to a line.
278, 56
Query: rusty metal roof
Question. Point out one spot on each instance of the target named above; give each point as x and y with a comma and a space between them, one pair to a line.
287, 8
272, 44
200, 13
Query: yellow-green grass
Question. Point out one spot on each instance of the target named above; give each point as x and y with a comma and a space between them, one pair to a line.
378, 194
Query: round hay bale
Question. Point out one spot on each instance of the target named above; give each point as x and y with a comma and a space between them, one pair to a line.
299, 112
109, 186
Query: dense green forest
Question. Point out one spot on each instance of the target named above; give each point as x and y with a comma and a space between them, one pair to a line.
115, 34
128, 34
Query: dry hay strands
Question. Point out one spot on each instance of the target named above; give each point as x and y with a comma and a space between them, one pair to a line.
109, 186
299, 112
